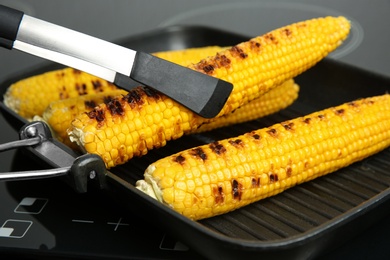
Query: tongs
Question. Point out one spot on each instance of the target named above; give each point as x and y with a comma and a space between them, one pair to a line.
126, 68
77, 170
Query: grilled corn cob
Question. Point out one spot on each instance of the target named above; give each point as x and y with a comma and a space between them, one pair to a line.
31, 96
59, 114
219, 177
145, 119
266, 61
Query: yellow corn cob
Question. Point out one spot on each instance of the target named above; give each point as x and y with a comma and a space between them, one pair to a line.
145, 119
219, 177
266, 61
271, 102
59, 114
31, 96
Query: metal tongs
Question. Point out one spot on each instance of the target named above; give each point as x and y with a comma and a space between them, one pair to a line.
126, 68
76, 169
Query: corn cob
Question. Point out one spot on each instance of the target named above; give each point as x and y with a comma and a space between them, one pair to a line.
145, 119
220, 177
59, 114
268, 60
31, 96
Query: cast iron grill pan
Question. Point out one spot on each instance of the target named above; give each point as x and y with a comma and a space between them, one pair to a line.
300, 223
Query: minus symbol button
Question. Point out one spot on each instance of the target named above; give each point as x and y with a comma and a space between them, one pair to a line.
82, 221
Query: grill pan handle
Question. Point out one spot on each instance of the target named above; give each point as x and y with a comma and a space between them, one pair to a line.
76, 169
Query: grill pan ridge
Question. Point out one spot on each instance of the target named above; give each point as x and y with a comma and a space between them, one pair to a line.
302, 222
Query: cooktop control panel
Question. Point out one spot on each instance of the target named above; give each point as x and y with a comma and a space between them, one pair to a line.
47, 218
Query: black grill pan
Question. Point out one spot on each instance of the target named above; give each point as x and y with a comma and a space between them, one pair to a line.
300, 223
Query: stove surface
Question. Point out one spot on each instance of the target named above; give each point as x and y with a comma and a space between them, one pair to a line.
46, 218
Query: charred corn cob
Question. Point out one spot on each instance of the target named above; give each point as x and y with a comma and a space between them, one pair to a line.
271, 102
31, 96
145, 119
220, 177
59, 114
266, 61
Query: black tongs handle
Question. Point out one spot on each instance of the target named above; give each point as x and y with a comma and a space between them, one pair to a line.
9, 25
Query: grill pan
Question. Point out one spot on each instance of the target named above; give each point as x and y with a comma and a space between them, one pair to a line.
300, 223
